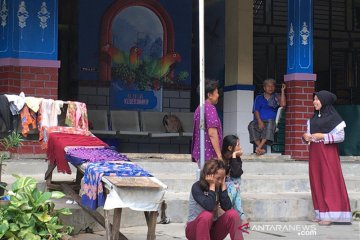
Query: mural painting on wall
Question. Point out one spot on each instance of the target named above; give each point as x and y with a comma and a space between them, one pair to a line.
139, 66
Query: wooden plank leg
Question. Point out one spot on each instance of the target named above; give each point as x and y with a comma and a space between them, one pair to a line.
94, 214
116, 223
79, 176
151, 223
107, 225
48, 174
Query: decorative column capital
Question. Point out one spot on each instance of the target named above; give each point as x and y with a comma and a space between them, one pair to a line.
300, 77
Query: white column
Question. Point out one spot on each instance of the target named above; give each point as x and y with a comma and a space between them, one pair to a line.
238, 91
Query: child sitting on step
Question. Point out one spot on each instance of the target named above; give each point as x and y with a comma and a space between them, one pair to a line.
211, 215
231, 152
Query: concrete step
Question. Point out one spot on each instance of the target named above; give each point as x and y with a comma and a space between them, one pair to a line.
255, 183
272, 188
287, 183
286, 206
249, 184
253, 167
179, 176
32, 167
258, 207
267, 166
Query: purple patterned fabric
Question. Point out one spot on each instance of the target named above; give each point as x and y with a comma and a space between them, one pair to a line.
212, 120
80, 155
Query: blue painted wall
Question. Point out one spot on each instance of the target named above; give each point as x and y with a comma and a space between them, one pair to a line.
90, 17
29, 30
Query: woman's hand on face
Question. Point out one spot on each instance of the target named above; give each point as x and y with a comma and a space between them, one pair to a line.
237, 153
210, 179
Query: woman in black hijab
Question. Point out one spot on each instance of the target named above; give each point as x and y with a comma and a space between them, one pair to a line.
324, 131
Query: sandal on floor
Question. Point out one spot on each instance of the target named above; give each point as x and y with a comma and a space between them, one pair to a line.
315, 220
324, 223
165, 220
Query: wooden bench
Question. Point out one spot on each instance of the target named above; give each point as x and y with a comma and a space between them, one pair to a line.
141, 185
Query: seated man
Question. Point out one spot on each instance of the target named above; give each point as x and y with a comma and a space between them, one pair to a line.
262, 128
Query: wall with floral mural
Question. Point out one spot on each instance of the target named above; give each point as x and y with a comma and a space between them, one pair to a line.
137, 27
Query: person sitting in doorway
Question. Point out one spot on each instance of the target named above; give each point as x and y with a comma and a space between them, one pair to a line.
262, 128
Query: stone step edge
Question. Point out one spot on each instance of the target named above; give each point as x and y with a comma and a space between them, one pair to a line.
246, 197
154, 157
263, 195
183, 176
169, 176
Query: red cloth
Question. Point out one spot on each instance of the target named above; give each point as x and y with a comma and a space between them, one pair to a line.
58, 141
328, 189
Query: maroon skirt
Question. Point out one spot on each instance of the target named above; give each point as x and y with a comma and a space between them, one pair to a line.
328, 190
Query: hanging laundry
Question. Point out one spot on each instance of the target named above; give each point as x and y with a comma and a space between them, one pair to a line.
5, 113
76, 115
28, 118
48, 114
33, 103
16, 102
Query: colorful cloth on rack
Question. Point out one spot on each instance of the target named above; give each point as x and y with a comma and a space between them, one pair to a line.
57, 143
80, 155
33, 103
61, 129
48, 114
93, 195
76, 115
28, 118
16, 102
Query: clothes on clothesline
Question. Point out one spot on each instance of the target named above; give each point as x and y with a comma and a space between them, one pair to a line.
28, 118
79, 155
93, 191
5, 113
76, 115
57, 143
49, 111
44, 112
16, 102
33, 103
